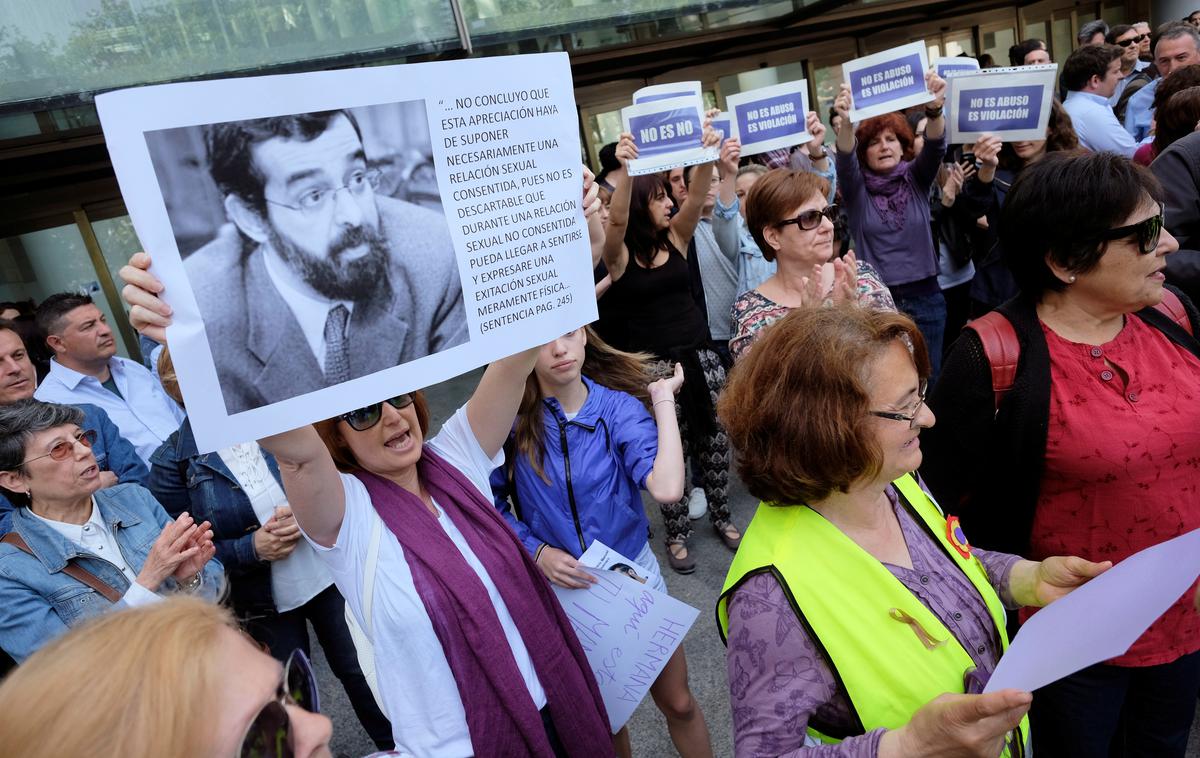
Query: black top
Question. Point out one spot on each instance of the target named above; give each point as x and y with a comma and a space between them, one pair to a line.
653, 309
985, 464
1178, 168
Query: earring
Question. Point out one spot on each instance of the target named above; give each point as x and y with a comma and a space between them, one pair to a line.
1071, 279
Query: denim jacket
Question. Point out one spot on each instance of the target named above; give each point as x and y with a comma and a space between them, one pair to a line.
183, 479
113, 453
38, 601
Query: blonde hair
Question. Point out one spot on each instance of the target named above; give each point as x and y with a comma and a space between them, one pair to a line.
167, 377
137, 683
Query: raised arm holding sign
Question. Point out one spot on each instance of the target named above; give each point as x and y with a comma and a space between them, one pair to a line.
887, 81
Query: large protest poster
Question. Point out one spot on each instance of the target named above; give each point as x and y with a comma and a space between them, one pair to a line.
888, 81
668, 134
769, 118
330, 239
628, 631
1010, 103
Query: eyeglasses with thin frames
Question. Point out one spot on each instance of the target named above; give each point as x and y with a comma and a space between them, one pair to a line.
809, 220
1146, 231
63, 448
905, 415
315, 201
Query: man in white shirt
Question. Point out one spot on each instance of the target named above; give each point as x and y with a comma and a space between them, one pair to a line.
1090, 75
86, 369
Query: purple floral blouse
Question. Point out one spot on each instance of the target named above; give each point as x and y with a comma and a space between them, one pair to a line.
779, 683
752, 310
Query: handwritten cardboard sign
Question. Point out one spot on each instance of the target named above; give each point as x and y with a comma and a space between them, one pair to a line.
627, 630
770, 118
888, 81
1010, 103
667, 133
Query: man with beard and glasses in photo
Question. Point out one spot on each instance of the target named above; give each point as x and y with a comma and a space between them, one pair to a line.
320, 259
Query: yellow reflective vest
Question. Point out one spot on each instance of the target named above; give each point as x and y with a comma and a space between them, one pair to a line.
861, 616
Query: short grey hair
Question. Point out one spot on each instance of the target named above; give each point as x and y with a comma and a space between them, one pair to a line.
1091, 29
21, 420
1176, 30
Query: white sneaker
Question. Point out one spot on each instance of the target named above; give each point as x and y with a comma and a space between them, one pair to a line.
697, 504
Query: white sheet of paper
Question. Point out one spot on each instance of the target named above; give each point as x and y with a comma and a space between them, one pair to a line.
873, 74
1030, 82
481, 237
669, 91
668, 134
774, 117
627, 630
946, 64
1101, 619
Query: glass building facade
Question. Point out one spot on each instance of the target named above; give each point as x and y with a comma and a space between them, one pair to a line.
63, 224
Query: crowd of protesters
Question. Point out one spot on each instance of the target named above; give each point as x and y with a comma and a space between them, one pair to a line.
963, 380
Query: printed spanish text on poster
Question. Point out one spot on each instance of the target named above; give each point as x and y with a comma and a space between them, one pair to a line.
770, 118
944, 65
668, 134
330, 239
628, 631
722, 124
888, 81
1010, 103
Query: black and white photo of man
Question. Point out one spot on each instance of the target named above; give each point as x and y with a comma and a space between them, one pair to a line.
321, 277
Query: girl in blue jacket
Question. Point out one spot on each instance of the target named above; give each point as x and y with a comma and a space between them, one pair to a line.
583, 448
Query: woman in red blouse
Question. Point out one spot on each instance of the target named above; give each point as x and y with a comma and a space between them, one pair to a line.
1095, 451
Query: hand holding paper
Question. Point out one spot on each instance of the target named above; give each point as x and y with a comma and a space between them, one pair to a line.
958, 725
1039, 583
1101, 619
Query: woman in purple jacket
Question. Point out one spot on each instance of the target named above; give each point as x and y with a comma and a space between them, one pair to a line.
582, 450
885, 189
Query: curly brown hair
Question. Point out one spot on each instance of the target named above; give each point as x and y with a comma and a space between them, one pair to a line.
873, 127
796, 405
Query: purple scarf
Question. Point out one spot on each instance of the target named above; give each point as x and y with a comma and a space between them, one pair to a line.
501, 717
889, 193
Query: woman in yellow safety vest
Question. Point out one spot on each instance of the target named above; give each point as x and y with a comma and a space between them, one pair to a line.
854, 612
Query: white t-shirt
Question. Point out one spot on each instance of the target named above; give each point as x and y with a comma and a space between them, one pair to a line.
415, 681
300, 576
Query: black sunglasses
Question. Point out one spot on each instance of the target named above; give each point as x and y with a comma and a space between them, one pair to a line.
270, 734
1147, 232
1131, 40
809, 220
368, 416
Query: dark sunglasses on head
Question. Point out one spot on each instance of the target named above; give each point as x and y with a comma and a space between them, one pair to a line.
368, 416
809, 220
1131, 40
63, 448
270, 734
1147, 232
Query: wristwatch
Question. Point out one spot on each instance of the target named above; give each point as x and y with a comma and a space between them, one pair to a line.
192, 584
824, 154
